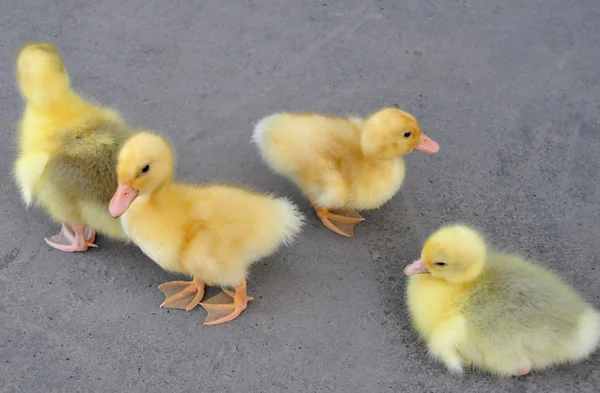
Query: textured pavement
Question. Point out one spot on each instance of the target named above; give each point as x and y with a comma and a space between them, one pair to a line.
509, 89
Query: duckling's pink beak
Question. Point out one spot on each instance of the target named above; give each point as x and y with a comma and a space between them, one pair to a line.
427, 145
417, 267
120, 202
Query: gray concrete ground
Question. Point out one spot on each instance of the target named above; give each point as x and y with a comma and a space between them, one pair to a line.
509, 89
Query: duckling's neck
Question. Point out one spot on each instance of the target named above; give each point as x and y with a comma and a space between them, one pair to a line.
451, 285
467, 280
379, 158
382, 162
161, 193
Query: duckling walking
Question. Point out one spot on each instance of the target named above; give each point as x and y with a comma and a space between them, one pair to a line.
342, 164
495, 311
212, 233
67, 151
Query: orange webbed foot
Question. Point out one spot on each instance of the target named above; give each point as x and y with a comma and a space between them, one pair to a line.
221, 309
341, 222
184, 295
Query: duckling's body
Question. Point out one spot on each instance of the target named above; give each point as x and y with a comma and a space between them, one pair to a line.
507, 315
212, 233
67, 151
341, 164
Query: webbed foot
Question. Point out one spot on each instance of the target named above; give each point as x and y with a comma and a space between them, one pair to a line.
340, 222
73, 238
183, 295
221, 309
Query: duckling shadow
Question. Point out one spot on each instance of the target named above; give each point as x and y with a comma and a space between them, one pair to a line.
129, 264
272, 269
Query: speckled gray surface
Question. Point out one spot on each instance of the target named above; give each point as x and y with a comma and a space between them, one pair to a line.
509, 89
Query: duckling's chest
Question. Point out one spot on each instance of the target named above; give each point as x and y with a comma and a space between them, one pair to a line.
375, 186
154, 235
430, 302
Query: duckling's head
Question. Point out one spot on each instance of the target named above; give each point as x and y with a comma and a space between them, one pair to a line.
145, 164
41, 72
455, 253
390, 133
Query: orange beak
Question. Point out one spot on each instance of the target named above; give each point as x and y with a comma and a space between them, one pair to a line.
122, 199
427, 145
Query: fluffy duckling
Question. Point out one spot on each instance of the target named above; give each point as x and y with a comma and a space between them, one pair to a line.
67, 151
342, 164
495, 311
212, 233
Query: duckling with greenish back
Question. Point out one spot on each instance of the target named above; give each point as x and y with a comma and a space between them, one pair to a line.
495, 311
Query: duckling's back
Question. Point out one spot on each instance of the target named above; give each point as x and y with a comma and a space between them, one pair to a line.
82, 170
293, 143
518, 310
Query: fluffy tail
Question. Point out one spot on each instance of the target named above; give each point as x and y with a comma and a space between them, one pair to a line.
290, 218
587, 337
41, 74
260, 134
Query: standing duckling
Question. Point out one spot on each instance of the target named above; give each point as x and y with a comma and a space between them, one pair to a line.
495, 311
212, 233
67, 151
342, 164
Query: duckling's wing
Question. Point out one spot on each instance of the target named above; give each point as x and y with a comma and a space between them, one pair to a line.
29, 169
85, 166
520, 302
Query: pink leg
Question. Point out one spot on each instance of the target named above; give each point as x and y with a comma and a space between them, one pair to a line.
73, 238
523, 371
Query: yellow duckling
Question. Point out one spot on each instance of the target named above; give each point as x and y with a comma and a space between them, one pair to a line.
212, 233
67, 151
342, 164
495, 311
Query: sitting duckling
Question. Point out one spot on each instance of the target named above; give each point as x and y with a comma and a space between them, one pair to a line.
67, 151
212, 233
342, 164
495, 311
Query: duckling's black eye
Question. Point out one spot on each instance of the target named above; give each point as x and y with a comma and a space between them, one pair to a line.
407, 134
440, 264
145, 169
